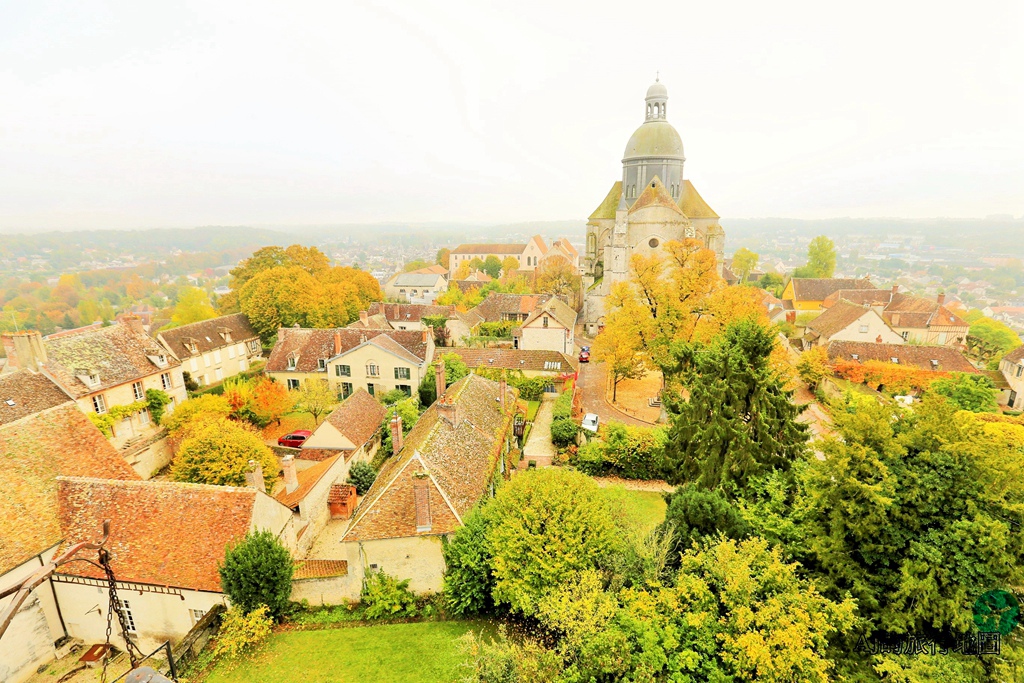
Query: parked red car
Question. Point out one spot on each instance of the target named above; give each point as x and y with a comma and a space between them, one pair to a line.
295, 439
585, 356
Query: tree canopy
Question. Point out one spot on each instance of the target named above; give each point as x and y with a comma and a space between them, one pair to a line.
218, 451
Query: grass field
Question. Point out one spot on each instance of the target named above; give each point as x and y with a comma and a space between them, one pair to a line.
644, 509
425, 652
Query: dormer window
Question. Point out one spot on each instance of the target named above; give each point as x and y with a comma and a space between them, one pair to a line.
894, 359
545, 321
855, 356
935, 364
292, 361
225, 334
321, 364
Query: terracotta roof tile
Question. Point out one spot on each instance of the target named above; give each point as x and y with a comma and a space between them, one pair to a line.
33, 453
1016, 355
310, 345
838, 317
308, 478
516, 359
511, 249
208, 335
24, 393
557, 309
409, 312
358, 418
818, 289
497, 304
319, 569
912, 355
162, 533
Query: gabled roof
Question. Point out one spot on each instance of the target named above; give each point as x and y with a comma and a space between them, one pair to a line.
434, 269
416, 280
319, 569
1015, 356
920, 357
496, 304
655, 194
34, 451
310, 345
609, 204
566, 246
557, 309
308, 478
837, 318
207, 335
692, 204
386, 343
818, 289
117, 353
516, 359
870, 297
510, 249
161, 533
452, 464
409, 312
358, 418
24, 393
916, 311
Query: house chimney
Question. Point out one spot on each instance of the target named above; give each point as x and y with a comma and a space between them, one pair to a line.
895, 289
337, 342
426, 333
396, 434
291, 480
24, 351
439, 377
364, 318
254, 477
502, 389
134, 323
449, 412
878, 339
941, 298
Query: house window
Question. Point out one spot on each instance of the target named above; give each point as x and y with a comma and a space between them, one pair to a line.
137, 391
243, 364
545, 321
343, 370
369, 389
1012, 399
894, 359
863, 329
291, 362
549, 388
346, 389
216, 356
372, 370
94, 380
197, 615
552, 365
1020, 370
293, 384
254, 346
403, 373
321, 363
129, 618
905, 334
193, 365
206, 359
144, 417
99, 404
165, 380
231, 352
219, 372
404, 388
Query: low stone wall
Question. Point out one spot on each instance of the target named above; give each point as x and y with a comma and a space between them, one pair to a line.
334, 590
150, 456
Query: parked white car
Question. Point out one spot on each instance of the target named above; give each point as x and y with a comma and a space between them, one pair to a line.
590, 422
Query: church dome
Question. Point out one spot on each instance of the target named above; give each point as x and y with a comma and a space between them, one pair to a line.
654, 138
657, 90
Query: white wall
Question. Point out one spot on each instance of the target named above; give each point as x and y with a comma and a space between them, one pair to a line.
552, 338
874, 326
28, 642
417, 558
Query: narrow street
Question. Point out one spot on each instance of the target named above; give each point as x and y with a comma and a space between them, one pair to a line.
592, 381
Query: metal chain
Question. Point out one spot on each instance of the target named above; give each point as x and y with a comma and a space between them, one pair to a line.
134, 654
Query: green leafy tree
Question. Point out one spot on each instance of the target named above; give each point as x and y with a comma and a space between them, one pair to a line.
218, 451
454, 370
739, 421
476, 263
509, 265
193, 306
968, 391
492, 266
821, 257
156, 403
258, 571
206, 406
362, 475
696, 515
989, 340
563, 432
772, 282
814, 366
316, 398
744, 261
444, 255
635, 452
468, 582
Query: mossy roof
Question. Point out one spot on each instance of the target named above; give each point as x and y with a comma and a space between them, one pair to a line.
610, 203
692, 204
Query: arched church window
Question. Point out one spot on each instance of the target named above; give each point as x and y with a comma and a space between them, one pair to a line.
648, 111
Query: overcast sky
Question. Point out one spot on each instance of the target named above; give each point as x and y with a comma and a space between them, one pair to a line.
143, 114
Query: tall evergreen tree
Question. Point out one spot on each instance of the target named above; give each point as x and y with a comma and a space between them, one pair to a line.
738, 422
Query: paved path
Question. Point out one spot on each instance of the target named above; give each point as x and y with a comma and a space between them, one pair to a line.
635, 484
538, 446
592, 381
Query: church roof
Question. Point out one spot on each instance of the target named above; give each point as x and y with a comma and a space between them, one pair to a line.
692, 204
654, 138
610, 203
655, 194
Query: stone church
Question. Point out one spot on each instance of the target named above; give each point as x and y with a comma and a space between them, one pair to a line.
651, 205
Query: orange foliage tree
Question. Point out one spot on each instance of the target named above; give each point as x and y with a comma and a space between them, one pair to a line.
271, 400
891, 377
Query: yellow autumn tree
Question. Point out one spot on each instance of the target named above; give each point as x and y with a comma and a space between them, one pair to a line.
620, 345
218, 452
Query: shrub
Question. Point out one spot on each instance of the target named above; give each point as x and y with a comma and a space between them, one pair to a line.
635, 452
258, 571
393, 396
467, 556
814, 366
209, 405
243, 633
563, 432
696, 514
589, 459
385, 597
217, 451
530, 388
563, 406
362, 475
156, 401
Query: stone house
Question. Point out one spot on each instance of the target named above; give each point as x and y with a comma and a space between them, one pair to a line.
451, 458
807, 294
43, 435
561, 248
845, 321
916, 319
553, 366
391, 316
166, 541
376, 360
1012, 368
528, 255
306, 494
549, 327
353, 429
501, 307
107, 370
415, 287
213, 350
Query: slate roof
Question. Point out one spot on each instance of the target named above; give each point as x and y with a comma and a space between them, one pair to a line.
511, 249
454, 464
117, 353
358, 417
34, 451
24, 393
308, 478
162, 533
496, 304
310, 345
912, 355
655, 194
692, 204
837, 318
207, 335
516, 359
818, 289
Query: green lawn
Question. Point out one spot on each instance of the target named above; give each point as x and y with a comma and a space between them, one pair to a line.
424, 652
531, 410
645, 509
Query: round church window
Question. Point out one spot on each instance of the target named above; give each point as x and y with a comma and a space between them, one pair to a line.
653, 243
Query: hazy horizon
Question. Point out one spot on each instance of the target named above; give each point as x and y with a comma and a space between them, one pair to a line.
125, 116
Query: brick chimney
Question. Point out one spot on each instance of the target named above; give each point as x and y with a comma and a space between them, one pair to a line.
427, 331
941, 298
878, 339
502, 389
364, 317
396, 434
134, 323
291, 480
254, 477
24, 350
337, 342
449, 412
439, 379
896, 289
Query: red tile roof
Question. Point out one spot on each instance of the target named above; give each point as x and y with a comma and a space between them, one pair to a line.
1016, 355
409, 312
208, 335
34, 451
358, 418
512, 249
24, 393
310, 345
838, 317
308, 478
319, 569
912, 355
516, 359
162, 533
818, 289
497, 304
